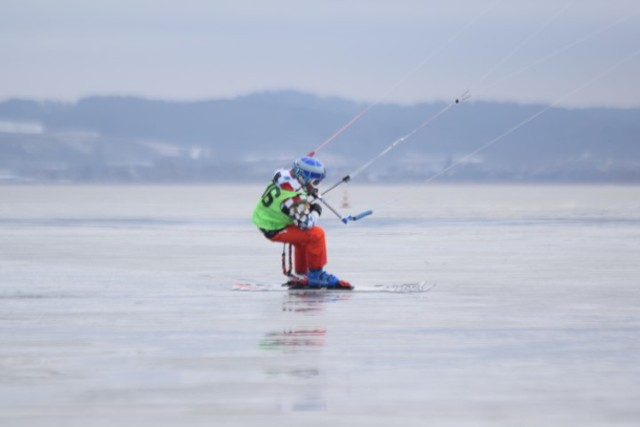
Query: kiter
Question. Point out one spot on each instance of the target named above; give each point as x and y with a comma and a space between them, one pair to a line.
288, 212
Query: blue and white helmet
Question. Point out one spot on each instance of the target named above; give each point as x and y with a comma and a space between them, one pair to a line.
309, 170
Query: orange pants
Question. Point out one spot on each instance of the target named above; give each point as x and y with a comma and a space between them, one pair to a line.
310, 247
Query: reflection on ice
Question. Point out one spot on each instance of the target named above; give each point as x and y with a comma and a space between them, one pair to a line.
292, 340
311, 301
300, 343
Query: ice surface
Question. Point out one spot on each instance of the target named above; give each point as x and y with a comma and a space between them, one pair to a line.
117, 308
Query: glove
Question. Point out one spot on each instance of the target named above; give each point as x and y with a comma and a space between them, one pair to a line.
315, 207
310, 221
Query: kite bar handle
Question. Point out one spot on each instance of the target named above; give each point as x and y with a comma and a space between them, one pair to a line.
361, 215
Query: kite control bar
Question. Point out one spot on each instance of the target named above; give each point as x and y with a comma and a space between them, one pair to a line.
345, 218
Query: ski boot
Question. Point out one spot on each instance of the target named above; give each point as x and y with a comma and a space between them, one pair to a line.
322, 279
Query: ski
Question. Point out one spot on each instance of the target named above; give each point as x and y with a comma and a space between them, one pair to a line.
297, 285
293, 284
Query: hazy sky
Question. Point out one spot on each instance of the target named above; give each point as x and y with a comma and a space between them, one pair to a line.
404, 51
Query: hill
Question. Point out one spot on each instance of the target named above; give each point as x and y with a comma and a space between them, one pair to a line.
128, 139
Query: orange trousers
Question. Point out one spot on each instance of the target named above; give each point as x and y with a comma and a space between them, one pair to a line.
310, 247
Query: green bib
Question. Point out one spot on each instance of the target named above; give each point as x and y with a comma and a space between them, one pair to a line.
267, 214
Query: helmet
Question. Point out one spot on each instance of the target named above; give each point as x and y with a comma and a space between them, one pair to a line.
309, 170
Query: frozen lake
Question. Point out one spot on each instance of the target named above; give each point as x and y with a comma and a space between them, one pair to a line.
117, 308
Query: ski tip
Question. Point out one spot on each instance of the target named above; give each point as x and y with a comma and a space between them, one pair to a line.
345, 285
